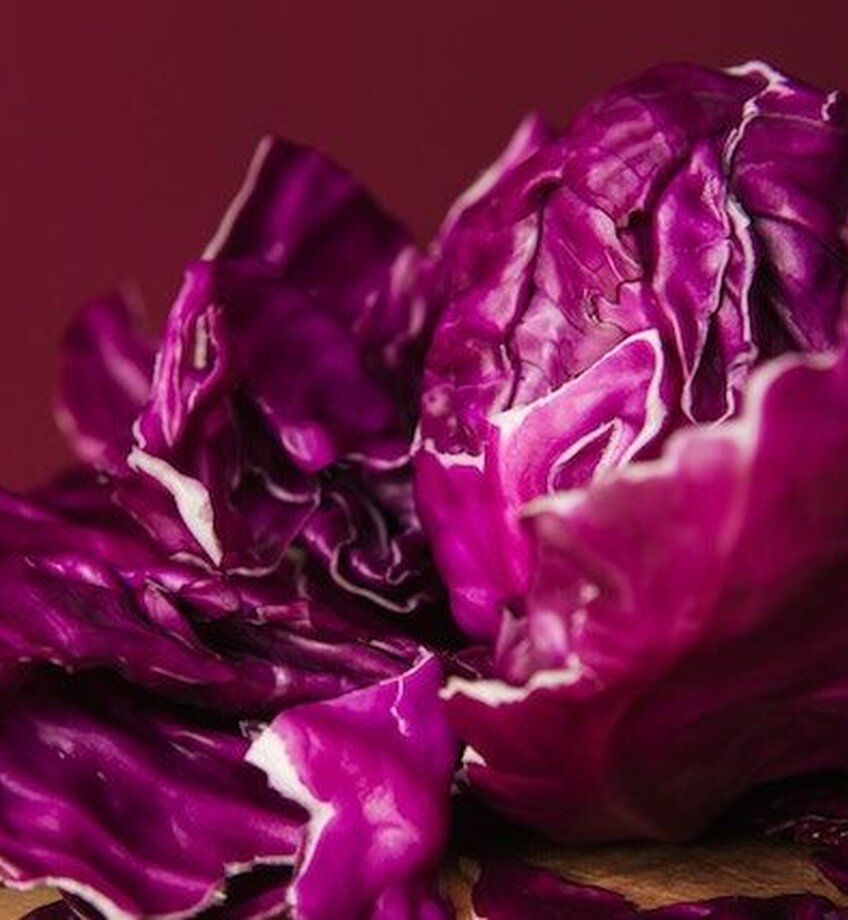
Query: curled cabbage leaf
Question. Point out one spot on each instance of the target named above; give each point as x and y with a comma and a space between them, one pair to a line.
373, 768
281, 405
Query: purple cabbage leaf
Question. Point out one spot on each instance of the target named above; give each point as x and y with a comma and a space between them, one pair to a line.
650, 589
373, 768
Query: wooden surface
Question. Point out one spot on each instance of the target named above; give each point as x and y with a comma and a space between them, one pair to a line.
649, 875
14, 904
652, 876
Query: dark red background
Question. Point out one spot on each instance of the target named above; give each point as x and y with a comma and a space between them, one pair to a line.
125, 125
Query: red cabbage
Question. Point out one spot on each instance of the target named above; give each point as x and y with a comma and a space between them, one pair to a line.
568, 489
640, 326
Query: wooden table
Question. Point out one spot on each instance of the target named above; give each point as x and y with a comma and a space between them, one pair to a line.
649, 875
14, 904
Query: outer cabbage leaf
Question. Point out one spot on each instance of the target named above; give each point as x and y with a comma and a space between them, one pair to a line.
80, 615
105, 380
373, 769
82, 587
81, 520
684, 634
141, 810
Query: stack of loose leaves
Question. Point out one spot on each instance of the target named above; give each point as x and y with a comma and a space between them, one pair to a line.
554, 514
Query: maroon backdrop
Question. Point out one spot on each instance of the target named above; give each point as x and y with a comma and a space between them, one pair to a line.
126, 125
